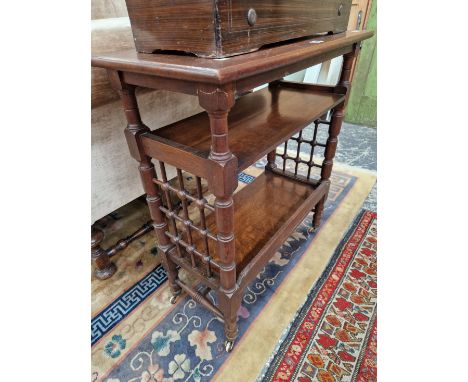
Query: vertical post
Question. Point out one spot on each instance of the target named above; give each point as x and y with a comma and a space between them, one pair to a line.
271, 159
135, 128
223, 182
274, 89
104, 267
333, 131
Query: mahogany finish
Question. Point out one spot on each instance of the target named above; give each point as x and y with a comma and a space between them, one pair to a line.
104, 267
124, 243
222, 28
258, 122
221, 237
256, 222
162, 67
333, 131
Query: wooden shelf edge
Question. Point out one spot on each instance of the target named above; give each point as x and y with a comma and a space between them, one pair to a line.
210, 282
176, 154
338, 90
290, 175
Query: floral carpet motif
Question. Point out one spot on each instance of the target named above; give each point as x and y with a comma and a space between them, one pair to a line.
158, 341
334, 336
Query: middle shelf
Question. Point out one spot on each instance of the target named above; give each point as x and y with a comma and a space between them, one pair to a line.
258, 122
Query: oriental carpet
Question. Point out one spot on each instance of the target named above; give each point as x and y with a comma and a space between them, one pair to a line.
137, 335
334, 336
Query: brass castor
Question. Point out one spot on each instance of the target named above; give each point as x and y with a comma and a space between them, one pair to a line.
228, 345
173, 299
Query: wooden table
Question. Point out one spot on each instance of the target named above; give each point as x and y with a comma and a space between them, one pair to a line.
225, 244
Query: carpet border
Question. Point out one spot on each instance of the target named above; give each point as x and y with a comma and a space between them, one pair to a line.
367, 339
272, 363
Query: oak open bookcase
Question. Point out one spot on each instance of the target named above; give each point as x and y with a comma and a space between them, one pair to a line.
222, 237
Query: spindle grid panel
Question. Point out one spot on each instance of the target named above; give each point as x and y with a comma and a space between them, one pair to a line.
310, 158
186, 212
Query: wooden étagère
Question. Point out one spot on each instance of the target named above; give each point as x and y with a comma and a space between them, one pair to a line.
223, 237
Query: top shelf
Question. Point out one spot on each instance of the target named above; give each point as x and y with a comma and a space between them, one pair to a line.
226, 70
258, 122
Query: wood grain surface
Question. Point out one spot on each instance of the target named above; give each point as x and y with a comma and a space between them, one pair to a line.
222, 28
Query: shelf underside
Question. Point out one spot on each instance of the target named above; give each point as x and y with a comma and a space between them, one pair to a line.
258, 122
271, 205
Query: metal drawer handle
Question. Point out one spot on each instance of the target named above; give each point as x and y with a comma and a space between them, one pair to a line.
340, 9
251, 17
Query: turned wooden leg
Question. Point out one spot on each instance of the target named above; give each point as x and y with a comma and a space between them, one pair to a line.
135, 128
271, 159
318, 212
230, 305
333, 132
327, 164
217, 102
153, 198
104, 267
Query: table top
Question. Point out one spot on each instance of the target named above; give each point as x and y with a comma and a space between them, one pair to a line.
225, 70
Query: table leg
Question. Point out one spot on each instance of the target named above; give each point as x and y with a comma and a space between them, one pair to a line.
333, 131
135, 128
217, 102
104, 267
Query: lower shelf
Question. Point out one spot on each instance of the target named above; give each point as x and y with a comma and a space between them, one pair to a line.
266, 212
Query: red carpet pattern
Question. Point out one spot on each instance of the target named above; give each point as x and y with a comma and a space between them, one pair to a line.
334, 336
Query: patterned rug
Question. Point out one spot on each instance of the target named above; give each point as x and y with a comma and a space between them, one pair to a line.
137, 335
334, 336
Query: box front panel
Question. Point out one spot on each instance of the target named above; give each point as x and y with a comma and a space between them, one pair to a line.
249, 24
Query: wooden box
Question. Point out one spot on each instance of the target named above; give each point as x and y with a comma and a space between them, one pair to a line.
222, 28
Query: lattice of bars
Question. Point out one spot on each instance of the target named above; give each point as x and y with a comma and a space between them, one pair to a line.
282, 152
183, 231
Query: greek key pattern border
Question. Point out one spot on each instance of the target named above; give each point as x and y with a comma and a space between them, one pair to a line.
122, 306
